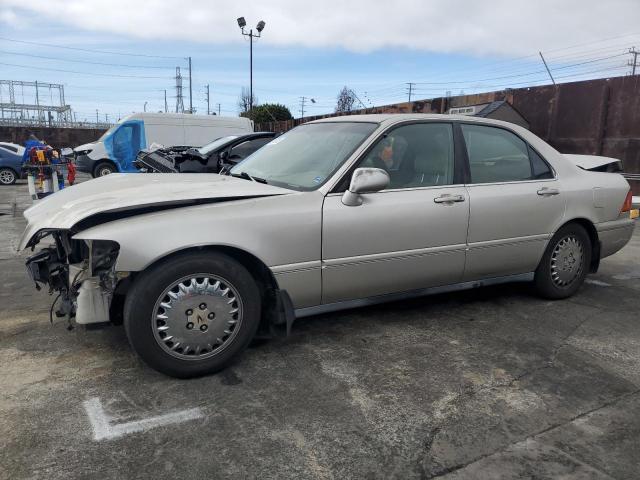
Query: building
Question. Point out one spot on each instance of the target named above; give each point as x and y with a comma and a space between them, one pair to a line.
498, 110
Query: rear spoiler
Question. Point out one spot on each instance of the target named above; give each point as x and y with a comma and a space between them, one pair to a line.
595, 163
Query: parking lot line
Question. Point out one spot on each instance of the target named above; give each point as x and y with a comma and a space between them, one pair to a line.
105, 429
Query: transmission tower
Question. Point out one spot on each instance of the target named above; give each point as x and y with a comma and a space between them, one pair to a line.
179, 102
21, 103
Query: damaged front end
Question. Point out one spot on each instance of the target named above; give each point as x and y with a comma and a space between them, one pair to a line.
80, 272
177, 159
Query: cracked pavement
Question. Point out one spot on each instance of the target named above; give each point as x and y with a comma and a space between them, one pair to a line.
490, 383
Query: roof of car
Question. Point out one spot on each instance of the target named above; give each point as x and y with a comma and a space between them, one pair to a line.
390, 118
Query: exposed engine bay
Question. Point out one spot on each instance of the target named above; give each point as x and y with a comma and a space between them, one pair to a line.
81, 272
179, 159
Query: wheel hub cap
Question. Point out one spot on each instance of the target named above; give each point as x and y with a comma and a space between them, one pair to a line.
197, 317
566, 261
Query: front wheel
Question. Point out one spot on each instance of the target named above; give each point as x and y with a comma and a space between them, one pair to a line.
103, 168
565, 263
7, 176
192, 314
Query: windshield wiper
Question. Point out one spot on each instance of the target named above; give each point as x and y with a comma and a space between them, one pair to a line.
246, 176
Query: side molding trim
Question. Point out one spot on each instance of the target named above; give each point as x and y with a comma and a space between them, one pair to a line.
363, 302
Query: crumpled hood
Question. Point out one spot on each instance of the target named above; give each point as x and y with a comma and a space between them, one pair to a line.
124, 191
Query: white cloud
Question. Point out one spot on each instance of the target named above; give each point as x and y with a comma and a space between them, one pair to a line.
504, 27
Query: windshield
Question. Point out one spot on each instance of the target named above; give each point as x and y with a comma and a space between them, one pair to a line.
305, 157
108, 132
210, 147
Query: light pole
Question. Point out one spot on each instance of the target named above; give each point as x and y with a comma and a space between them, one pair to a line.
242, 23
144, 108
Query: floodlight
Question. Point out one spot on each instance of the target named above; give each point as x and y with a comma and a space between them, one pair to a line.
241, 22
260, 26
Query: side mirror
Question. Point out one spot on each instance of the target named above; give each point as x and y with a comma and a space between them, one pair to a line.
364, 180
223, 155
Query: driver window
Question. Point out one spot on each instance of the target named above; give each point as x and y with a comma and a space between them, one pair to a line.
416, 155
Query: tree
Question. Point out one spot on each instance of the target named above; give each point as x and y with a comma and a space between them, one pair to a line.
346, 99
270, 112
244, 102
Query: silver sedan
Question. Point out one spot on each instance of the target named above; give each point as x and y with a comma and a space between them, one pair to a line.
334, 214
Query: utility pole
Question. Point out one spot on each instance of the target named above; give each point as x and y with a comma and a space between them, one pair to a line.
218, 109
97, 118
410, 89
166, 107
106, 118
208, 111
242, 23
547, 67
302, 100
190, 90
633, 64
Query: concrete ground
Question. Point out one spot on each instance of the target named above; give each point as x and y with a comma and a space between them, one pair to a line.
491, 383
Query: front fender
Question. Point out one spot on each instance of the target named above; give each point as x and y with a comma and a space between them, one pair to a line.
257, 226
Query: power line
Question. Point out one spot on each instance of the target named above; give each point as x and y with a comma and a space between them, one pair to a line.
83, 73
519, 74
106, 52
20, 54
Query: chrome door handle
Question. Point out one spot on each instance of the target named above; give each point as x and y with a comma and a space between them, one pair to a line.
548, 191
447, 198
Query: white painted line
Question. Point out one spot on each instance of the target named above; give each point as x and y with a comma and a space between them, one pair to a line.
104, 429
597, 282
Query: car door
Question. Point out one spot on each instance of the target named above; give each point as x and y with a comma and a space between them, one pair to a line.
515, 203
409, 236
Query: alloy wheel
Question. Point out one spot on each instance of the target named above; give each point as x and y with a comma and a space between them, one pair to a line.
7, 177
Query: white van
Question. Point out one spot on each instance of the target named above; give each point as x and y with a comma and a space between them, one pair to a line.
117, 148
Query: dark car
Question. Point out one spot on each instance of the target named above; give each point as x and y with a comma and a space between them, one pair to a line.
10, 166
214, 157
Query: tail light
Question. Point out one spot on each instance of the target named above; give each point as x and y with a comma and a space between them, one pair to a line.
627, 205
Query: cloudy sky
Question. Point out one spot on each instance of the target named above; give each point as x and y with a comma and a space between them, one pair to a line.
114, 56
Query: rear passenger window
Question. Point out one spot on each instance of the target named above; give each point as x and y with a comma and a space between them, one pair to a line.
497, 155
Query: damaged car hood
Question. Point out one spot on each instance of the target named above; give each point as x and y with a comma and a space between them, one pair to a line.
122, 191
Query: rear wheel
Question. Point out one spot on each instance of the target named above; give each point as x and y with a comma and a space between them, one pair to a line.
103, 168
565, 263
192, 314
7, 176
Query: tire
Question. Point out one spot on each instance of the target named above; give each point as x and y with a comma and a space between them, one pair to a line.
102, 169
200, 318
7, 176
565, 263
